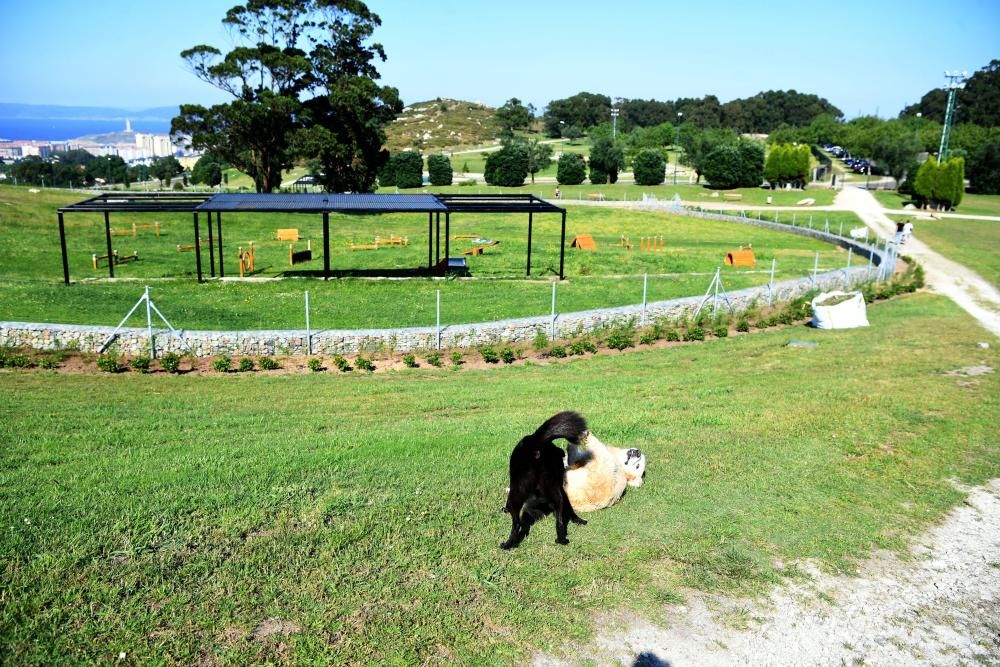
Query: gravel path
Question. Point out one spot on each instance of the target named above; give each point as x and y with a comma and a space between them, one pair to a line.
940, 606
963, 286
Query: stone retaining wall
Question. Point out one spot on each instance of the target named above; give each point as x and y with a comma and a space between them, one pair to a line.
132, 341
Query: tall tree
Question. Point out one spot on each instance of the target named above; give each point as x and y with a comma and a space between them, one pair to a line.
539, 157
513, 115
302, 80
606, 160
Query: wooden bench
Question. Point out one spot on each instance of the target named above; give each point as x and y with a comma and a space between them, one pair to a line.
288, 234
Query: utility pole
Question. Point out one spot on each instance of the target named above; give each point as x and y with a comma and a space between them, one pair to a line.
956, 81
614, 117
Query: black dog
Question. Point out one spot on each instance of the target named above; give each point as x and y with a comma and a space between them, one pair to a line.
537, 475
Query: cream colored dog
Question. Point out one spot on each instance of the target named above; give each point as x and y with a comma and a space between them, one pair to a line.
597, 475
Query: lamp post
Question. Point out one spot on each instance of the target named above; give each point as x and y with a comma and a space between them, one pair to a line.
614, 118
677, 133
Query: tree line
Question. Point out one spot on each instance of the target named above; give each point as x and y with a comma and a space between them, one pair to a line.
78, 168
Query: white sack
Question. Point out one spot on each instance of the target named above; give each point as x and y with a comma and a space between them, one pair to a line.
847, 314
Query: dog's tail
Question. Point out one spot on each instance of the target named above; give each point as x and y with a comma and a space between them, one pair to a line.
569, 425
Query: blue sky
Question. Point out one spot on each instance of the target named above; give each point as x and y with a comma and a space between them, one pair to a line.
863, 56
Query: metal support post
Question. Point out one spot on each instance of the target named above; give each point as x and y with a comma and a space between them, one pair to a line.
111, 257
62, 244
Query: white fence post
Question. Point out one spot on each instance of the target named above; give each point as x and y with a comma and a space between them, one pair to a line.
309, 338
438, 326
149, 323
553, 332
645, 280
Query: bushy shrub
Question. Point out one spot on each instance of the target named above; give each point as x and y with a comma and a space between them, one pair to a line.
246, 365
694, 332
648, 337
671, 335
5, 354
489, 354
434, 359
268, 363
456, 358
621, 338
540, 342
571, 169
20, 360
141, 363
557, 351
736, 165
743, 325
170, 362
408, 169
720, 331
582, 345
48, 362
410, 360
649, 167
439, 169
508, 166
315, 364
341, 363
364, 364
222, 363
508, 355
109, 362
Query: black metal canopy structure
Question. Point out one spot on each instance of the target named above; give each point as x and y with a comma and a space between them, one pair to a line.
309, 203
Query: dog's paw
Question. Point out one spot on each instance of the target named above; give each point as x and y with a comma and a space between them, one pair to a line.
507, 546
562, 540
579, 521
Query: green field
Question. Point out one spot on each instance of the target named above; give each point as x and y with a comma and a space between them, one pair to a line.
332, 519
33, 290
971, 204
962, 241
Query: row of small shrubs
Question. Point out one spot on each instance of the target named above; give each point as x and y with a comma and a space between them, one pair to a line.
620, 337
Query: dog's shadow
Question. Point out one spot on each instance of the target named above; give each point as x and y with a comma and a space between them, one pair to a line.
649, 659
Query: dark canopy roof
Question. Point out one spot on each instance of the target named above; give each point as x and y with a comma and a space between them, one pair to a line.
311, 203
141, 202
318, 203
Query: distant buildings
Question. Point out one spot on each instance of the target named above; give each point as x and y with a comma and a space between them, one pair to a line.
133, 147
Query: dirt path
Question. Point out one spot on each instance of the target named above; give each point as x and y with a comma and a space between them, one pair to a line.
939, 607
963, 286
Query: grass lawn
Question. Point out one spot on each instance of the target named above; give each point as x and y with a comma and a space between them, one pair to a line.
963, 241
971, 204
33, 290
355, 520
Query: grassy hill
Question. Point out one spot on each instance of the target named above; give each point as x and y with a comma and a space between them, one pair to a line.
441, 124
